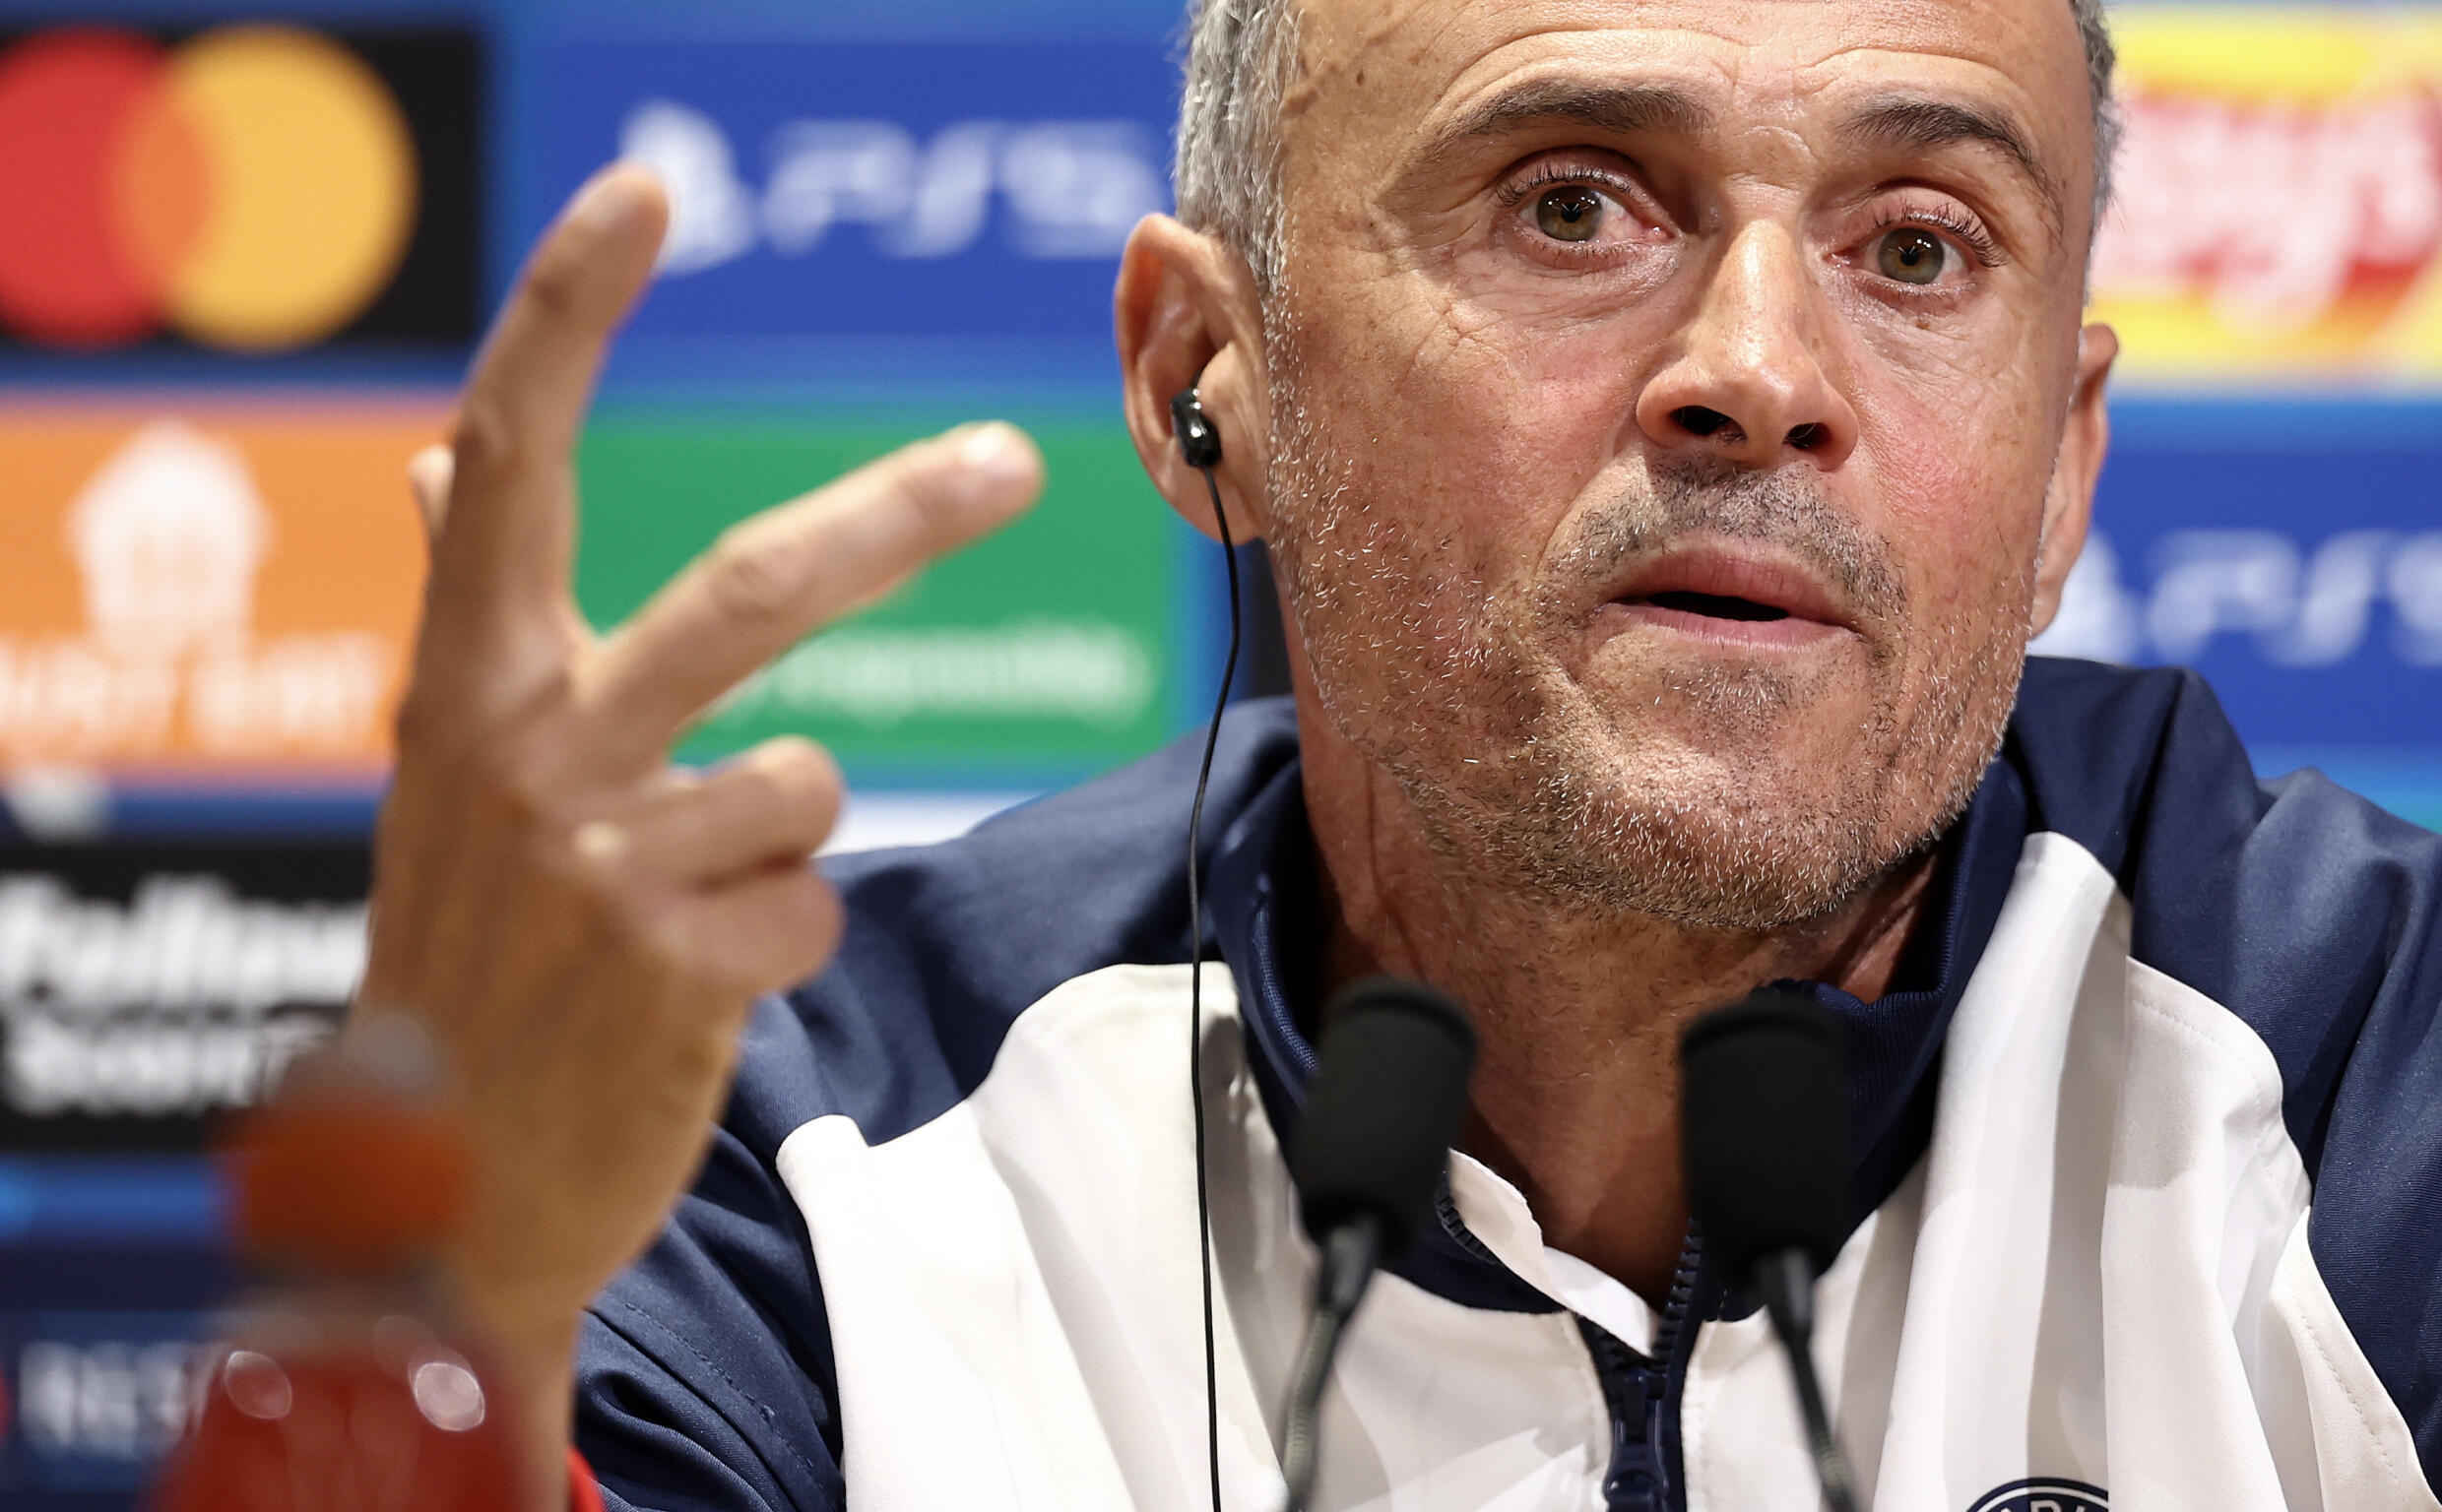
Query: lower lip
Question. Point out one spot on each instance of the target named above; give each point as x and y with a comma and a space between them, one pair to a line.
1787, 634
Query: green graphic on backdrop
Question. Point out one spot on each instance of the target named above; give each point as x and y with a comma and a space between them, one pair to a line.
1035, 657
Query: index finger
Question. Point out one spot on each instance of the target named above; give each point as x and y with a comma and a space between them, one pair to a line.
504, 549
772, 579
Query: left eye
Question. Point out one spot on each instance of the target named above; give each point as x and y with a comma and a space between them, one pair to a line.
1571, 212
1912, 255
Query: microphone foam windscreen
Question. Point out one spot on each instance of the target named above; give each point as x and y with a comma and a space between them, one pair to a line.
1384, 1108
1765, 1124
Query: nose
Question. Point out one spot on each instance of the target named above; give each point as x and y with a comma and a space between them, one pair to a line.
1747, 383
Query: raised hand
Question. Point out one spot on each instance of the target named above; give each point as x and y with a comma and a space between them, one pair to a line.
580, 926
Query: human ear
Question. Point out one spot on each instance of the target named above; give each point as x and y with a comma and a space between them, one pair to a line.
2069, 501
1186, 315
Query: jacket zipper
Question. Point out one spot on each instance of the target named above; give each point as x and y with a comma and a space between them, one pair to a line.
1637, 1391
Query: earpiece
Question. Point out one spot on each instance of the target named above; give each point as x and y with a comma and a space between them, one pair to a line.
1201, 444
1199, 441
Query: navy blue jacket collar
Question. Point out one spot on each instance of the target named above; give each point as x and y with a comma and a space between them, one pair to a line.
1264, 910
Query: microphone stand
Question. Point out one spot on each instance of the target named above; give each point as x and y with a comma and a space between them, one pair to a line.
1350, 1254
1390, 1085
1764, 1121
1786, 1280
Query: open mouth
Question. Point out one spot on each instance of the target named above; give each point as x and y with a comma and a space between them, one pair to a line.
1718, 597
1726, 595
1713, 606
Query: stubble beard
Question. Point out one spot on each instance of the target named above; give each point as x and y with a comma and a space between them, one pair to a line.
1526, 788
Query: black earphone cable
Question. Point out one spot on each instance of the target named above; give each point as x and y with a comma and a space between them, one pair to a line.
1196, 996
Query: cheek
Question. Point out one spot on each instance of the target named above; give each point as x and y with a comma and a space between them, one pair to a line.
1477, 435
1962, 428
1962, 499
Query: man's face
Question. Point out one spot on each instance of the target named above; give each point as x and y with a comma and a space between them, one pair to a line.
1666, 399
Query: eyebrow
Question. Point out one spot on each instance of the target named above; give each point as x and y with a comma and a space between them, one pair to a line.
1615, 109
1915, 123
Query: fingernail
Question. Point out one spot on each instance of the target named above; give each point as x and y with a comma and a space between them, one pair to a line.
612, 198
999, 456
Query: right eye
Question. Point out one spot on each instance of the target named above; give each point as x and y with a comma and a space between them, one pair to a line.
1910, 254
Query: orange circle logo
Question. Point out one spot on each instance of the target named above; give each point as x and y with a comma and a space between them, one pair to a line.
252, 189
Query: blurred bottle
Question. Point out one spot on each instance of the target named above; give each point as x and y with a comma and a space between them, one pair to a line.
346, 1384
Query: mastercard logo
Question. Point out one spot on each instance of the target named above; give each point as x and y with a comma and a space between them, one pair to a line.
253, 188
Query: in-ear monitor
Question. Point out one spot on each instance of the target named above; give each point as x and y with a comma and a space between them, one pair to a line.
1199, 441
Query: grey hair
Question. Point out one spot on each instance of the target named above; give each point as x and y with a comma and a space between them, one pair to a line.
1242, 54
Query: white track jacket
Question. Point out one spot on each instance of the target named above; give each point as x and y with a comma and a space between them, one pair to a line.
2148, 1189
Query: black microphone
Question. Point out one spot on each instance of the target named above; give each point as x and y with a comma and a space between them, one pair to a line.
1372, 1147
1765, 1136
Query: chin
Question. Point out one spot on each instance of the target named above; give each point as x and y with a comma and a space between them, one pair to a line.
1718, 845
1723, 811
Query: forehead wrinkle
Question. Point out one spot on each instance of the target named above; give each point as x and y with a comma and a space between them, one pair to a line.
1327, 52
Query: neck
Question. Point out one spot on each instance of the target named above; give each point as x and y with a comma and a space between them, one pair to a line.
1576, 1098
